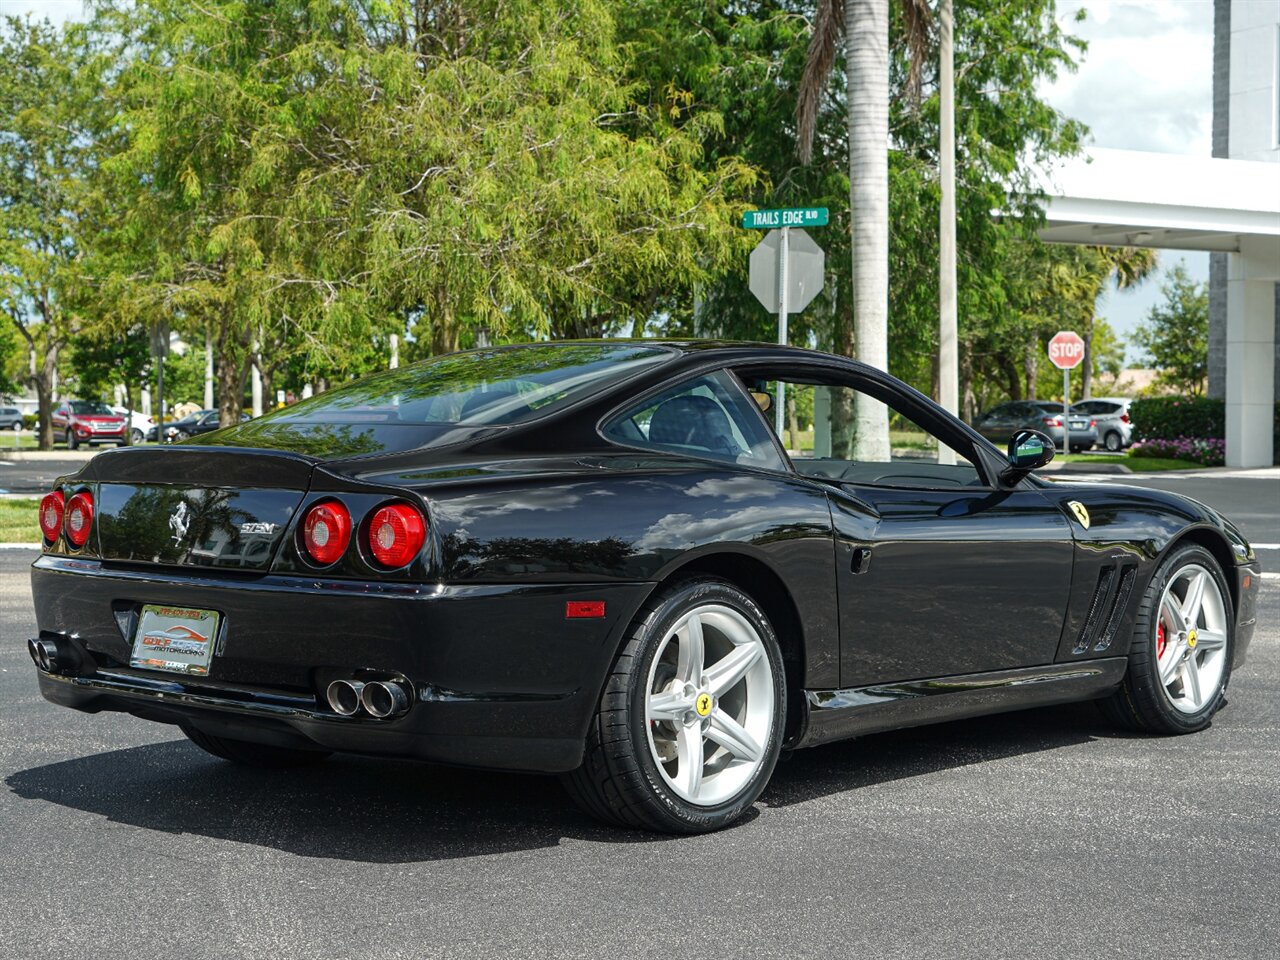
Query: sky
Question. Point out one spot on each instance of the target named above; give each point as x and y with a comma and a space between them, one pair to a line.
1146, 83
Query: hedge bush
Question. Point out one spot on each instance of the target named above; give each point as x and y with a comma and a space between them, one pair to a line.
1164, 418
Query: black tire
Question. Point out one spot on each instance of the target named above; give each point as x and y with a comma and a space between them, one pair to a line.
135, 436
181, 435
619, 781
1141, 702
258, 755
1113, 442
72, 441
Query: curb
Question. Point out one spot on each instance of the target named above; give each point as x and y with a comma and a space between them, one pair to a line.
22, 455
19, 546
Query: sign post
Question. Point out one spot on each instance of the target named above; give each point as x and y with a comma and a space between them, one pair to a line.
1066, 351
786, 271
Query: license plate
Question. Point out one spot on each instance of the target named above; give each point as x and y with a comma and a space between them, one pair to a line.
176, 639
1077, 424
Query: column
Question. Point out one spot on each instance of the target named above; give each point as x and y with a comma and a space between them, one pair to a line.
1251, 351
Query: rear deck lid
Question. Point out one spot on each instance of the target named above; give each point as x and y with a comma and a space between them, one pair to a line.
180, 506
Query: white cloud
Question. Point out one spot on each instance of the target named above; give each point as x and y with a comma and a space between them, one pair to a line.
55, 10
1146, 82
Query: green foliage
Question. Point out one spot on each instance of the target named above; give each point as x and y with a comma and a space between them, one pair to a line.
313, 175
43, 161
306, 178
1166, 418
1175, 334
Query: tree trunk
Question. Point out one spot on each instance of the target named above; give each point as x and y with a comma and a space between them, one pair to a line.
866, 31
230, 374
1031, 367
44, 378
1012, 376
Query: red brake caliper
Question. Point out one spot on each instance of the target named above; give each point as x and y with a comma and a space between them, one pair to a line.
1160, 640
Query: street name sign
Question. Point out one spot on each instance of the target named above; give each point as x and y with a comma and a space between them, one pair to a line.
789, 217
1066, 350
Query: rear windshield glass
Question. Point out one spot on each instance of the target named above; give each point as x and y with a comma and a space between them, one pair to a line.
444, 398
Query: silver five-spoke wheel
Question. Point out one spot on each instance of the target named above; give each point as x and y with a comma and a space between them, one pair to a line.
709, 712
1191, 638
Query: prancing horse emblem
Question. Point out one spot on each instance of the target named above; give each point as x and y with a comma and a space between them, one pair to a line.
179, 521
1081, 513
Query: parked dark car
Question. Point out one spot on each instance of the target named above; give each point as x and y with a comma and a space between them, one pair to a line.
10, 418
597, 559
1115, 429
1000, 423
193, 424
87, 421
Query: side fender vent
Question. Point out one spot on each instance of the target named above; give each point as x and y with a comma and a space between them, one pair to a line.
1119, 607
1107, 608
1095, 616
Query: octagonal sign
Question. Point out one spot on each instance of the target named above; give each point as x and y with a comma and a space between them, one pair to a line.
1066, 350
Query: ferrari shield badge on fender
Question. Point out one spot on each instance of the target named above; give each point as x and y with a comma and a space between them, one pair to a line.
1080, 512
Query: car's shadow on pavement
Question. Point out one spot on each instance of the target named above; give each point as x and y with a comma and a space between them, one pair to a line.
381, 811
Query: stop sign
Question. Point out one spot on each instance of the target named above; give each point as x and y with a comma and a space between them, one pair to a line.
1066, 350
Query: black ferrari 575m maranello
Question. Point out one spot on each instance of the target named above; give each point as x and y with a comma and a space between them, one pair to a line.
603, 560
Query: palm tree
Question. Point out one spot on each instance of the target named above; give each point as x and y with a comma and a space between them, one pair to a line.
1126, 267
864, 25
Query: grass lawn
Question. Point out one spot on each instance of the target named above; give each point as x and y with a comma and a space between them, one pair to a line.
18, 523
1136, 464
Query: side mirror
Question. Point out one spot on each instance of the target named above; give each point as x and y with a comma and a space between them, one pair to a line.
1028, 450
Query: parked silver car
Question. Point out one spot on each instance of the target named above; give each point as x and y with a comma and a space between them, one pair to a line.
1000, 423
1115, 430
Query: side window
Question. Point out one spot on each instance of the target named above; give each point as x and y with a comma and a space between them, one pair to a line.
820, 433
708, 417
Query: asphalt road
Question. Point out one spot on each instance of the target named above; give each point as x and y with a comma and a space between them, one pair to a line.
1037, 834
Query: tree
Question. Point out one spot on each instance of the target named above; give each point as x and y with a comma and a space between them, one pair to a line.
42, 161
311, 176
1175, 334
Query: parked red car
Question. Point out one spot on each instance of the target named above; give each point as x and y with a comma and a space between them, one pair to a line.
87, 421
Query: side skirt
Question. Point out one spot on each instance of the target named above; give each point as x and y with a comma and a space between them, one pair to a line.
837, 714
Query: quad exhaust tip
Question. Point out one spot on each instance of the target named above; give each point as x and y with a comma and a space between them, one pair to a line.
344, 697
44, 653
378, 698
384, 698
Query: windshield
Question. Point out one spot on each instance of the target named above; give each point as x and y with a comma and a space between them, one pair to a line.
426, 402
91, 408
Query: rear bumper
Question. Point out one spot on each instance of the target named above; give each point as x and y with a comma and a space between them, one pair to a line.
500, 678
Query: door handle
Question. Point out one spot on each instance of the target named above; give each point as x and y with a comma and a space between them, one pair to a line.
861, 559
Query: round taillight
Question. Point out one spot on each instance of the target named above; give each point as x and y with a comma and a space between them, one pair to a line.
326, 531
80, 518
51, 509
396, 534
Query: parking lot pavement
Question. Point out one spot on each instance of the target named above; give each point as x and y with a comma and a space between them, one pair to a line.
1042, 833
35, 477
1252, 502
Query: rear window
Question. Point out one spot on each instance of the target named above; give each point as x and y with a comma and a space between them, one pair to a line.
444, 399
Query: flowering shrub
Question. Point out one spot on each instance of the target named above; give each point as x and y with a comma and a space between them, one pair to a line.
1210, 451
